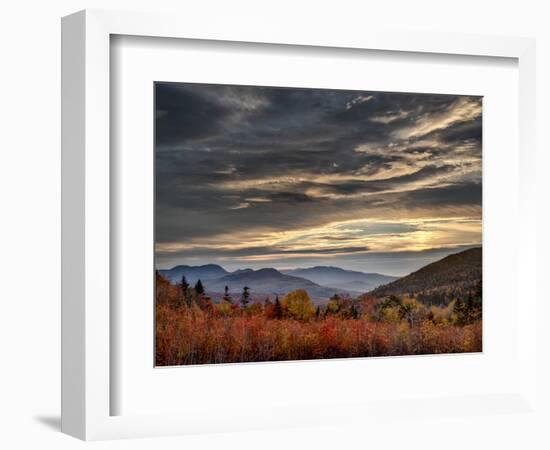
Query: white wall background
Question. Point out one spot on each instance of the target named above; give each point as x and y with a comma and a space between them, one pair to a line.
30, 198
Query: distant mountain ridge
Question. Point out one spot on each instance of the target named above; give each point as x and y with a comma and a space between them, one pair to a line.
455, 276
194, 273
349, 280
268, 281
320, 282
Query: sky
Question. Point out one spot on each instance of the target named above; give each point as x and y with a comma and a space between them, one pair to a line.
252, 177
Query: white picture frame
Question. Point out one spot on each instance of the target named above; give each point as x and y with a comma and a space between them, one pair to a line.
86, 220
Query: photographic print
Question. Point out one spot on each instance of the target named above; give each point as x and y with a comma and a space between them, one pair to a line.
299, 224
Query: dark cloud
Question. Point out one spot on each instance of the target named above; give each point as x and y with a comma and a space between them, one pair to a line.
462, 194
288, 197
241, 159
183, 114
359, 186
467, 131
268, 250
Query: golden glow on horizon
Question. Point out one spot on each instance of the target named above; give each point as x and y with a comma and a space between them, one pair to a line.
343, 237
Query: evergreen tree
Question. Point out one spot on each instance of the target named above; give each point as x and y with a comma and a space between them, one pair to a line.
354, 311
318, 311
184, 284
278, 309
226, 296
199, 288
245, 297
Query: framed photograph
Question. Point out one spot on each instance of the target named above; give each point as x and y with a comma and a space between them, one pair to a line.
252, 207
299, 223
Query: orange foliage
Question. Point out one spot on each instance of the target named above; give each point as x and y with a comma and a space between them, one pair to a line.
191, 329
191, 335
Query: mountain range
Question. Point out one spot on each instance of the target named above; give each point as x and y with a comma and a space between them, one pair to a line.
320, 282
455, 276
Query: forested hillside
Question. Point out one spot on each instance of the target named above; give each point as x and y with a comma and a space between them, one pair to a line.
457, 276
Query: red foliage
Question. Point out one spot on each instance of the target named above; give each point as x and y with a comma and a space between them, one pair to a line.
191, 335
191, 329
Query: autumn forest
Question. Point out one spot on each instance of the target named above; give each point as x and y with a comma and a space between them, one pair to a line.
191, 328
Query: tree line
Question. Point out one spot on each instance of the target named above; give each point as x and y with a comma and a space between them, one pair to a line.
298, 305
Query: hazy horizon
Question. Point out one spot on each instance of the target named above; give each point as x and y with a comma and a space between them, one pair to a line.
254, 177
394, 264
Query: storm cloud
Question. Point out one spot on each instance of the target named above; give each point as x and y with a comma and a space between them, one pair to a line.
249, 176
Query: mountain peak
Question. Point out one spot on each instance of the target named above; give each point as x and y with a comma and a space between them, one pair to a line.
268, 271
194, 273
204, 266
179, 266
210, 266
238, 271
